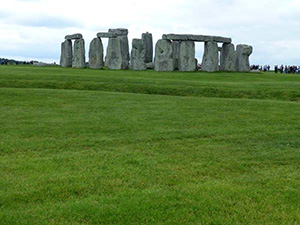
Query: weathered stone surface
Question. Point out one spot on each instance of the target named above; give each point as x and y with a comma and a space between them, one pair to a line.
197, 38
73, 36
79, 54
125, 49
163, 60
150, 65
117, 54
147, 38
106, 35
66, 54
242, 54
119, 31
210, 61
96, 54
227, 58
138, 55
186, 60
175, 46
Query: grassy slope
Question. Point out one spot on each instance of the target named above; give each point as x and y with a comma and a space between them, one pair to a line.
224, 85
90, 157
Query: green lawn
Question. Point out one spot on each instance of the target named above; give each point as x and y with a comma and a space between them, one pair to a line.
128, 147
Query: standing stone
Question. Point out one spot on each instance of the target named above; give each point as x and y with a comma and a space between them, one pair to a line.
210, 62
242, 63
117, 55
164, 56
66, 54
147, 38
114, 58
175, 46
187, 56
96, 54
138, 55
79, 54
227, 57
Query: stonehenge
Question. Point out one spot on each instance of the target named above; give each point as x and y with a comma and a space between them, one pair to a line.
147, 38
163, 60
227, 57
73, 58
186, 60
117, 52
96, 54
138, 55
210, 61
242, 58
172, 52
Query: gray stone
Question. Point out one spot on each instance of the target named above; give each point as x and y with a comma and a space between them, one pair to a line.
117, 54
119, 31
147, 38
79, 54
73, 36
197, 38
175, 46
106, 35
242, 54
96, 54
66, 54
163, 60
186, 60
227, 58
150, 65
138, 55
210, 61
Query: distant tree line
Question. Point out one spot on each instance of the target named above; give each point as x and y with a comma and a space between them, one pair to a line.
4, 61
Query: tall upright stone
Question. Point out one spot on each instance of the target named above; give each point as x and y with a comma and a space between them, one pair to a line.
175, 46
147, 38
138, 55
163, 60
117, 56
79, 54
242, 63
187, 56
227, 57
210, 61
96, 54
66, 54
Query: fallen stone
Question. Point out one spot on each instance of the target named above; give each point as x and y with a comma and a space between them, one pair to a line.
186, 61
138, 55
66, 54
210, 61
96, 54
242, 63
79, 54
73, 36
150, 65
227, 58
147, 38
175, 46
197, 38
163, 60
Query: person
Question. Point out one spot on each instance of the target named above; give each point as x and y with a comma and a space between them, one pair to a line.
276, 69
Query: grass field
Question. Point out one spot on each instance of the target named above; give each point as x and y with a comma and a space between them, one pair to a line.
128, 147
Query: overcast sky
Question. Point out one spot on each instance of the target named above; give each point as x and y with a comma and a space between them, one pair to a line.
34, 29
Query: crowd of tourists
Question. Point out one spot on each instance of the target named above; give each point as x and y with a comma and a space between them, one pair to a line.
278, 69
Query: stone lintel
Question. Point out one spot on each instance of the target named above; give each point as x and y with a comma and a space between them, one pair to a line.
196, 38
73, 37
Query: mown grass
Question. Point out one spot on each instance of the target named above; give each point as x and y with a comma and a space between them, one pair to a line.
198, 84
82, 156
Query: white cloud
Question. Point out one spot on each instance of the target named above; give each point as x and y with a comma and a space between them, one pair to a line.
35, 28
